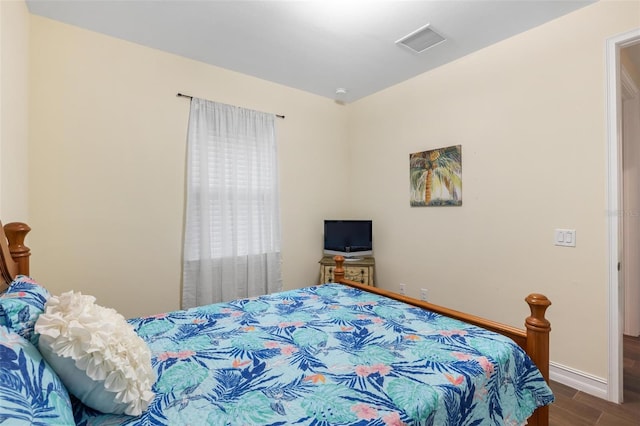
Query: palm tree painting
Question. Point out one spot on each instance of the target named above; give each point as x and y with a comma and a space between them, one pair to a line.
436, 177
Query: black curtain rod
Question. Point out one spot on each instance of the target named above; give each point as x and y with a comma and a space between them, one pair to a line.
191, 97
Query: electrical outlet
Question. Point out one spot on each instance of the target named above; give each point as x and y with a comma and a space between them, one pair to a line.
403, 289
424, 294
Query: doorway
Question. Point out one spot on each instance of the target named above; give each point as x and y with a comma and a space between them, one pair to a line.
629, 75
620, 225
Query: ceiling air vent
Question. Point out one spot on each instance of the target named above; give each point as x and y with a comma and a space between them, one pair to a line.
421, 39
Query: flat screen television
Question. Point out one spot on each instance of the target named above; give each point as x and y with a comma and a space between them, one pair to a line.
349, 238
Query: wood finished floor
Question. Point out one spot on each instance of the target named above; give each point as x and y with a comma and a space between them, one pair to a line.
575, 408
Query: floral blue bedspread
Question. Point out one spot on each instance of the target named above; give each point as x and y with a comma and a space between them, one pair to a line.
330, 355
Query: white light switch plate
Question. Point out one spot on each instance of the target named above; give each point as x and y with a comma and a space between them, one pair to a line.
565, 237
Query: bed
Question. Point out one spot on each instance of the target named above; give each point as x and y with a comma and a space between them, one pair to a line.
338, 353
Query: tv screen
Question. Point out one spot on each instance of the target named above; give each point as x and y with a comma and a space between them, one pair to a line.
349, 238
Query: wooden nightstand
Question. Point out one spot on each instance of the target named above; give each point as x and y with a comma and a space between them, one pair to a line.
355, 270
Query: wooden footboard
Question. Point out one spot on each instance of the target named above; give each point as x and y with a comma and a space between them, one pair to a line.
534, 339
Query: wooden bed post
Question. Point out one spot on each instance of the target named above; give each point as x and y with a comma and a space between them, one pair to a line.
538, 329
16, 233
338, 272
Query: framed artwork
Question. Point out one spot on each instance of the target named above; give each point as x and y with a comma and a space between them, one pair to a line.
436, 177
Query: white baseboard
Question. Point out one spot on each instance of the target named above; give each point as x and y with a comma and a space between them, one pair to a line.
587, 383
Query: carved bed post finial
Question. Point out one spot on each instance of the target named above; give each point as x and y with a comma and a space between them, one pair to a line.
16, 233
338, 272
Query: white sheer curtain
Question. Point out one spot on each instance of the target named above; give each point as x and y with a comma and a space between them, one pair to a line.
232, 231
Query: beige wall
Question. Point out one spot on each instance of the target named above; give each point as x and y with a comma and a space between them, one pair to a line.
14, 65
107, 165
529, 113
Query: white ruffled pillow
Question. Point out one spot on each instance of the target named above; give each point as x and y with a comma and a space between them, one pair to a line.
97, 354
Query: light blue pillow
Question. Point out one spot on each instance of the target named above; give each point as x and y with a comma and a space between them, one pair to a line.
30, 391
21, 305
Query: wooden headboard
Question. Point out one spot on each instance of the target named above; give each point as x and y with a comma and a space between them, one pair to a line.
14, 255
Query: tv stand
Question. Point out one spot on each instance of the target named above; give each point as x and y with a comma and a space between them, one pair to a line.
359, 269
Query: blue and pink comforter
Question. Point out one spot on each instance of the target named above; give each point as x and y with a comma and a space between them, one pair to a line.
330, 355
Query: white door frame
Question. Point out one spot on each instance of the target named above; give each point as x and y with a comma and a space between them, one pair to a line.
616, 305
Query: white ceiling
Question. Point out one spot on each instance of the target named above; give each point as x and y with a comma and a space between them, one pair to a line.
315, 46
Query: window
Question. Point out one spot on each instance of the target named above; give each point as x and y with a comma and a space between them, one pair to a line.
232, 232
